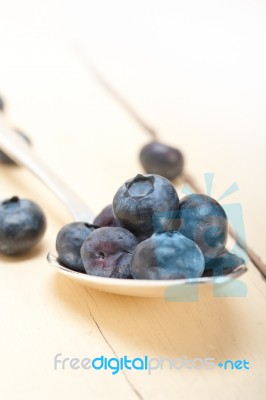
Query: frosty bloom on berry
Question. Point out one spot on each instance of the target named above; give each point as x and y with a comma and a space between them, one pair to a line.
140, 198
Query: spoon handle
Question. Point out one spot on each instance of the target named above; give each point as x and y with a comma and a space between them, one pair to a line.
16, 149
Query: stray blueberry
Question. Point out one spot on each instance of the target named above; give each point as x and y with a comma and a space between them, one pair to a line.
139, 201
69, 240
7, 160
22, 225
160, 159
106, 217
107, 252
167, 255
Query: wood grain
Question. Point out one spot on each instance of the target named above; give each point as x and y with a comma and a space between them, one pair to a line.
92, 143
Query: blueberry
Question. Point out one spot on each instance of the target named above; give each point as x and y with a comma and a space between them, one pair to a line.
160, 159
106, 217
7, 160
167, 255
223, 264
69, 240
204, 220
140, 201
107, 252
2, 104
22, 225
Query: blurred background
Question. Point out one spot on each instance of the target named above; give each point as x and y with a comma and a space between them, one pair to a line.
194, 70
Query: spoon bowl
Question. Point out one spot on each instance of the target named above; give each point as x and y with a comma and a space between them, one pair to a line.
15, 148
144, 287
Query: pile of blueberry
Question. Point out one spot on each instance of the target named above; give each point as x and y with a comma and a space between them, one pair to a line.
147, 233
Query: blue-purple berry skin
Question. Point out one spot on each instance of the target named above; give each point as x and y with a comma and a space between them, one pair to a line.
22, 225
106, 217
223, 264
167, 255
158, 158
204, 221
69, 241
107, 252
140, 202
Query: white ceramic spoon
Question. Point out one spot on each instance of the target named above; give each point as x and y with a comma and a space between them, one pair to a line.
172, 290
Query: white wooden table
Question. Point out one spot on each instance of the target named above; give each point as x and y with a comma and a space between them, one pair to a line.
214, 110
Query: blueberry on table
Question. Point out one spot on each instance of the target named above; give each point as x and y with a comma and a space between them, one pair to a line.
204, 221
140, 202
158, 158
167, 255
22, 225
7, 160
106, 217
69, 240
107, 252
